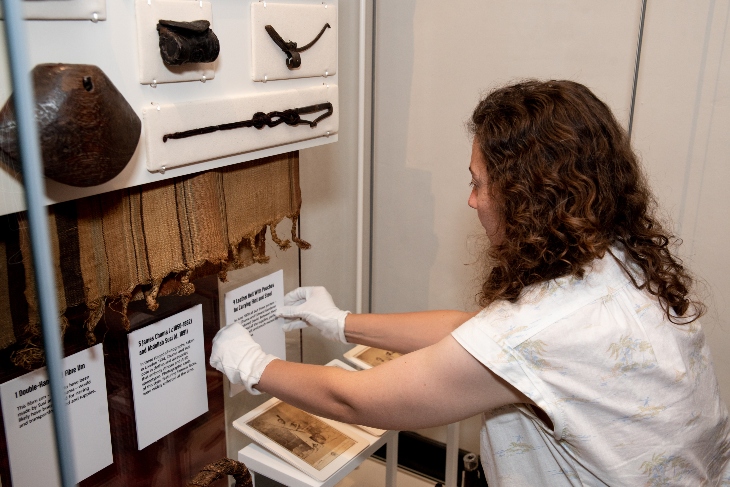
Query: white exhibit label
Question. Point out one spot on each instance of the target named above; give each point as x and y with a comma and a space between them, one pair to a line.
26, 405
167, 362
254, 306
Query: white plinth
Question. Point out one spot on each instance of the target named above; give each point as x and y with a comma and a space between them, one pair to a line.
260, 461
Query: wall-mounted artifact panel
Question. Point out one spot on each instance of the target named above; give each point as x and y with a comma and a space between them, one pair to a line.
213, 40
93, 10
185, 133
293, 40
176, 41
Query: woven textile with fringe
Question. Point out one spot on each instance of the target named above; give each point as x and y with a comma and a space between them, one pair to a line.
145, 242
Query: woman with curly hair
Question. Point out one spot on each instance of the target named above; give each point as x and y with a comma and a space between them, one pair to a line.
587, 359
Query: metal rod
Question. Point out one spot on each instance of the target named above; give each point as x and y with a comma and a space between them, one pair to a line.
30, 156
452, 455
360, 244
636, 66
371, 208
391, 460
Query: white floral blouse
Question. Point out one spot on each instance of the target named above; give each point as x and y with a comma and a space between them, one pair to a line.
633, 397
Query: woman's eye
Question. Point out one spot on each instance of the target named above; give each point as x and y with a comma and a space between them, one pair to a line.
472, 184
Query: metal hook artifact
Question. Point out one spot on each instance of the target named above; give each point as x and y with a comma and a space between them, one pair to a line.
293, 59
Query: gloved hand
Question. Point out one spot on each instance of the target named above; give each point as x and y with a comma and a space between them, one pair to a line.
239, 357
313, 306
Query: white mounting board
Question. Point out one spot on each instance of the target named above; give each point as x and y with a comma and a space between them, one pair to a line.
65, 10
151, 67
159, 120
298, 23
111, 45
261, 461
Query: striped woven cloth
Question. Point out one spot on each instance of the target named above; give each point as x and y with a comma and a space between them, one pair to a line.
145, 242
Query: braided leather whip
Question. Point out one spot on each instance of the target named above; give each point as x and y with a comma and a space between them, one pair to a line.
261, 120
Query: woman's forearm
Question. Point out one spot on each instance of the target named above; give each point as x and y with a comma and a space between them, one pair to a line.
403, 332
316, 389
443, 383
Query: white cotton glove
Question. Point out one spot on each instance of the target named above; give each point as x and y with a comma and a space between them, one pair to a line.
313, 306
239, 357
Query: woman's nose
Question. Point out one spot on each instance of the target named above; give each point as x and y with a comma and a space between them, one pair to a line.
472, 201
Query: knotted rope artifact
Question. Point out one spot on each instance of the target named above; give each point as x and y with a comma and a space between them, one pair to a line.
261, 120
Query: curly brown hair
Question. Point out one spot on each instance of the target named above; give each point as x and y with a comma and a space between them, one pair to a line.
568, 187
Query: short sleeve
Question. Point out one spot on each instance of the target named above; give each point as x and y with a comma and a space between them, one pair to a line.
474, 335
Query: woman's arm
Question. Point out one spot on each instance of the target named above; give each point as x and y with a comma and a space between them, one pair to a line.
400, 332
403, 332
433, 386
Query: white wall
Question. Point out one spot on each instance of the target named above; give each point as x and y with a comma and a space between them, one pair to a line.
433, 59
682, 132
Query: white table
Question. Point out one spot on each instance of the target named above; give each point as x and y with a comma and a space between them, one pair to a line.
261, 461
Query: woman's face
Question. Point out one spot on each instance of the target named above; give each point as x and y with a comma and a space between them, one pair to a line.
481, 200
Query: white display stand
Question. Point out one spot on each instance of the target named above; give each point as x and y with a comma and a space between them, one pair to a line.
261, 461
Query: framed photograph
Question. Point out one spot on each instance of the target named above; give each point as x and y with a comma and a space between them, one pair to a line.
316, 446
368, 429
369, 357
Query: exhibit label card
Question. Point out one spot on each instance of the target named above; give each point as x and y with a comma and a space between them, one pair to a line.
254, 306
26, 405
167, 361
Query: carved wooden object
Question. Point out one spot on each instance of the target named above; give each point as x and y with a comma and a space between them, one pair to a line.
88, 131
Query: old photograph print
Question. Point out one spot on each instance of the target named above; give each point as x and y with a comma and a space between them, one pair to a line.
304, 435
376, 356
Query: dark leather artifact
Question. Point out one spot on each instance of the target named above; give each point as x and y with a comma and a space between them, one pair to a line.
88, 132
293, 59
221, 469
187, 42
261, 120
